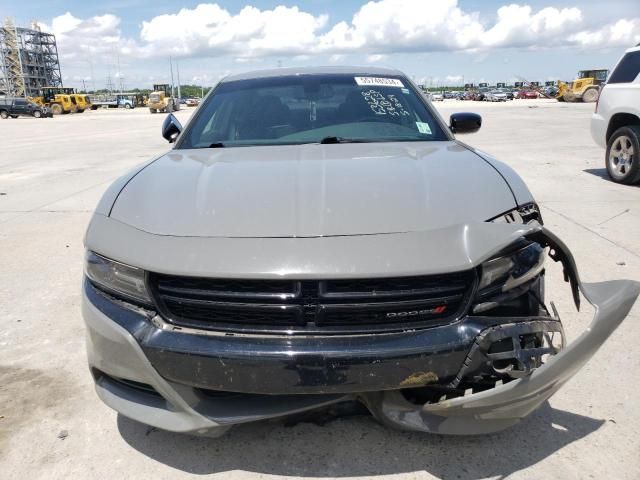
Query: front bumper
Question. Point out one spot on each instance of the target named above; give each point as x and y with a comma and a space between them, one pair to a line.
172, 380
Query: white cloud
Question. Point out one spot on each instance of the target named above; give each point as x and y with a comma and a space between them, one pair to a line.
453, 79
89, 39
376, 29
424, 25
211, 29
623, 33
375, 58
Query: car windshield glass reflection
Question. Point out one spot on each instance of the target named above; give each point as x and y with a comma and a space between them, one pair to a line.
310, 108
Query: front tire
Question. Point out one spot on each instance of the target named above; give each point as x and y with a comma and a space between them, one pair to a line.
56, 109
127, 106
590, 95
37, 114
4, 115
623, 155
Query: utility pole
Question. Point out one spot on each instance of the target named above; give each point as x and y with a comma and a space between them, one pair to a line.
93, 78
171, 68
109, 84
178, 72
201, 91
120, 78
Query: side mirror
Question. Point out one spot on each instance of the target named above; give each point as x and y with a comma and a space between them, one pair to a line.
465, 122
171, 128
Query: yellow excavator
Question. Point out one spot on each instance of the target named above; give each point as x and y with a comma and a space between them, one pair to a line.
62, 100
585, 88
161, 100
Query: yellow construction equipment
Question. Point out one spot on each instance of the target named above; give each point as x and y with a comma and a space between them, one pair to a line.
585, 88
81, 101
57, 99
161, 100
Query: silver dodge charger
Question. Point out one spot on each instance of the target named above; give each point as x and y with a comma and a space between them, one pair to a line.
318, 237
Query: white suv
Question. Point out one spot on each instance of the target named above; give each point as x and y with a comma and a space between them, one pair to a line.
615, 125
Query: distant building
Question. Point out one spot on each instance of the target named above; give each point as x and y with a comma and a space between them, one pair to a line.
28, 60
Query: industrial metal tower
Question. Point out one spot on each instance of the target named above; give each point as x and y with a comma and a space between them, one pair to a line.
28, 60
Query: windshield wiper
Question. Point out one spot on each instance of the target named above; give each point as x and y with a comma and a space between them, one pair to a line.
333, 139
217, 145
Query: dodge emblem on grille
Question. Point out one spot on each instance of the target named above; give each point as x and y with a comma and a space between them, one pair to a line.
417, 313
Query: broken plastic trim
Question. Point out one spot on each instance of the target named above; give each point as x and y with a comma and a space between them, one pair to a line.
522, 214
506, 404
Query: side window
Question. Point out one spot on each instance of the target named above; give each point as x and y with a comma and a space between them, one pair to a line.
22, 103
628, 68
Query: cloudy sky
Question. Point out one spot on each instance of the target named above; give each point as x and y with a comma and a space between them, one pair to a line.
433, 41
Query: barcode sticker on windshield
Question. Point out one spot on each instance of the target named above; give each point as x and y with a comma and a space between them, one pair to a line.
423, 128
378, 82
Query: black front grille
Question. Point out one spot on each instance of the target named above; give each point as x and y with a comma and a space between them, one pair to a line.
312, 306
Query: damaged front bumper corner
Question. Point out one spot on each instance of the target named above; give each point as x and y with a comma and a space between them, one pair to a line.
504, 405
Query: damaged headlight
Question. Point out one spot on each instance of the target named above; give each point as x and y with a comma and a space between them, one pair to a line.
513, 269
508, 276
117, 278
523, 214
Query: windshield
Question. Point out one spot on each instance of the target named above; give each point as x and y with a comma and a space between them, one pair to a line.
310, 109
154, 97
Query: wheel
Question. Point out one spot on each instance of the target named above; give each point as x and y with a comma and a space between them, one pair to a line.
80, 110
590, 95
623, 155
94, 107
127, 106
3, 114
56, 108
37, 113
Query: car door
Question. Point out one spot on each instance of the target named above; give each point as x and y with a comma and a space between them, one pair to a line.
20, 107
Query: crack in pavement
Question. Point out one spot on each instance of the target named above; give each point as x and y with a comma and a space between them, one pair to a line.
575, 222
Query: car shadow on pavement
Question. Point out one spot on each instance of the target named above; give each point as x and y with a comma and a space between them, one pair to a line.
357, 446
598, 172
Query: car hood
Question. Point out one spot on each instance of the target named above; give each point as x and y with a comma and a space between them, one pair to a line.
313, 190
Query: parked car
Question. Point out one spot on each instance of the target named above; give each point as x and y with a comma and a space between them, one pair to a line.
507, 92
527, 94
192, 102
327, 239
14, 107
615, 125
481, 92
437, 97
495, 96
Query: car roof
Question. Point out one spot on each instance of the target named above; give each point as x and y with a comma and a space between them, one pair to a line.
284, 72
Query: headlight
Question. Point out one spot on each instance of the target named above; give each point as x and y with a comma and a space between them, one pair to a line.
514, 269
117, 278
523, 214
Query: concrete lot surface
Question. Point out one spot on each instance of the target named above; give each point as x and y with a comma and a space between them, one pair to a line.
52, 425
